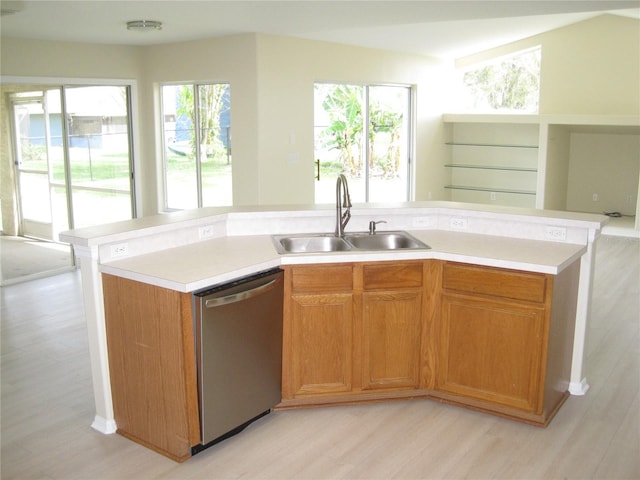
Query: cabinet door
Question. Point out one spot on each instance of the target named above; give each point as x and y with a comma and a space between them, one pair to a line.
491, 350
321, 334
153, 380
391, 332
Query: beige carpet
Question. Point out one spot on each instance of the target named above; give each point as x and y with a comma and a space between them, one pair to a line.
25, 259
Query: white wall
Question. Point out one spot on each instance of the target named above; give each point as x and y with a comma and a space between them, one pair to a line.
271, 81
590, 67
557, 167
607, 165
36, 58
230, 59
287, 70
42, 63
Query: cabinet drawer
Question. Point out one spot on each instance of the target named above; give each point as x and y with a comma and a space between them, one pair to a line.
398, 275
493, 281
322, 278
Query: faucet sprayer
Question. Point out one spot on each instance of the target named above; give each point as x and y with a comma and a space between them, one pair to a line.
342, 201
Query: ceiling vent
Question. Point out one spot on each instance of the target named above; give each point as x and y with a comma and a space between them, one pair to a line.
144, 25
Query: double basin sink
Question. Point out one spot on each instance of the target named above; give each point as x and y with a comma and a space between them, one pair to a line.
359, 241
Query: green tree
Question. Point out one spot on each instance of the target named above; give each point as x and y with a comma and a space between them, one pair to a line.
343, 104
211, 103
387, 123
511, 84
344, 107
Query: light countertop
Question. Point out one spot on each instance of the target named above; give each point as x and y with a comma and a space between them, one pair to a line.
199, 265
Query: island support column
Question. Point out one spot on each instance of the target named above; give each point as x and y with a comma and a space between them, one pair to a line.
104, 420
578, 383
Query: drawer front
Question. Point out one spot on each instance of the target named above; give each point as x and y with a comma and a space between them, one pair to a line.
493, 281
322, 278
396, 275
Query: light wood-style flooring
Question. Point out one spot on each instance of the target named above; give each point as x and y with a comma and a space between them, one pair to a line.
47, 409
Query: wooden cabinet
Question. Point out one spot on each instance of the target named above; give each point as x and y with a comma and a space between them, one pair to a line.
491, 339
495, 333
320, 328
151, 364
391, 325
351, 330
490, 350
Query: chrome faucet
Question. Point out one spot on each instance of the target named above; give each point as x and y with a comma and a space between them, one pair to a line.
344, 201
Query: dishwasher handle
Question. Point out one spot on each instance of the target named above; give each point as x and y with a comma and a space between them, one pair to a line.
240, 296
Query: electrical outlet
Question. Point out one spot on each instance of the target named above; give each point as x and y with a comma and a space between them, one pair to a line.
119, 250
493, 196
556, 233
595, 197
423, 222
205, 232
458, 223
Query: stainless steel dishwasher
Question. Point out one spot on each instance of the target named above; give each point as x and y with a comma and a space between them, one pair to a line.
238, 329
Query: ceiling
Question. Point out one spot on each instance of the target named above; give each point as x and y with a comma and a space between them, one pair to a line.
441, 28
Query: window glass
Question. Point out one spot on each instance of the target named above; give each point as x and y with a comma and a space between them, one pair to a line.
363, 132
507, 84
73, 158
99, 156
197, 160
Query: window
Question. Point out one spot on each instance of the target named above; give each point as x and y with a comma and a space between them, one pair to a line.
100, 154
197, 160
364, 133
74, 165
506, 84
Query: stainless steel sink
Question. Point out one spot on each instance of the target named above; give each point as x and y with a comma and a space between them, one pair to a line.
384, 241
309, 243
323, 242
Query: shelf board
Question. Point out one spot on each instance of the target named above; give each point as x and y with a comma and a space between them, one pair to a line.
485, 189
491, 167
455, 144
543, 119
523, 118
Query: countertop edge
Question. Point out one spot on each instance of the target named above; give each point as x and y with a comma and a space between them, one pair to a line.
275, 260
191, 286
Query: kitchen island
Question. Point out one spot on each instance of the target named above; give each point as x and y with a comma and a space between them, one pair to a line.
189, 250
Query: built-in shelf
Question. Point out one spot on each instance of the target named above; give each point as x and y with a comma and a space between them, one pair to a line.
489, 145
492, 167
493, 190
494, 163
547, 161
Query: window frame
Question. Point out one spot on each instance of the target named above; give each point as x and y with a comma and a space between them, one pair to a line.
410, 131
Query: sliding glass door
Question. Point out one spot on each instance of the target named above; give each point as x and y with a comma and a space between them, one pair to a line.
42, 199
99, 151
73, 158
363, 132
